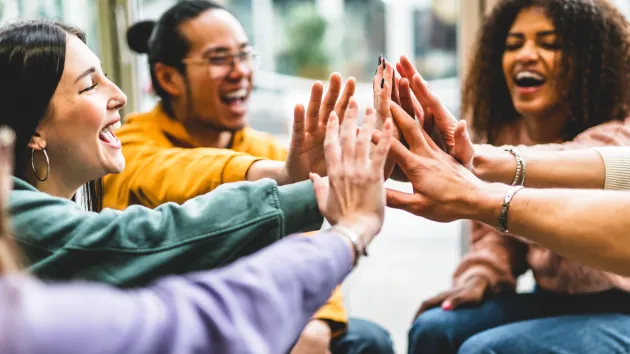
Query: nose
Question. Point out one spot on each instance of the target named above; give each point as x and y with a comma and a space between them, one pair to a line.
239, 69
527, 53
118, 99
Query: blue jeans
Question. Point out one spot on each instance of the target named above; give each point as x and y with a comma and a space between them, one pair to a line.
540, 322
362, 337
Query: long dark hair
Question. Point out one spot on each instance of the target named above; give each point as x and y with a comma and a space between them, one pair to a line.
163, 41
32, 58
595, 68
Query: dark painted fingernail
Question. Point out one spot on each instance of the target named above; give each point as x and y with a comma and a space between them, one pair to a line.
380, 58
383, 63
382, 82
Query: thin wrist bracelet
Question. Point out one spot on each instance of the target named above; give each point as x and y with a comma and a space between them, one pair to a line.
505, 208
360, 248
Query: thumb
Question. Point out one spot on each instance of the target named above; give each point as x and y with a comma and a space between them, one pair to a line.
401, 200
461, 298
464, 150
321, 190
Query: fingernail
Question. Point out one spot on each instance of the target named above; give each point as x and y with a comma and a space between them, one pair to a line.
383, 63
380, 58
382, 82
447, 305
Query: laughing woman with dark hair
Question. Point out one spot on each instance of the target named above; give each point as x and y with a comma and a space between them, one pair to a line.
545, 75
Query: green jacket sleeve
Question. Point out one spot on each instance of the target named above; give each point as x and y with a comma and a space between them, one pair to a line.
132, 247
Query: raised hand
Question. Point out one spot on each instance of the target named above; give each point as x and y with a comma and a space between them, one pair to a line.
383, 91
444, 190
7, 138
385, 88
353, 195
306, 152
8, 249
453, 133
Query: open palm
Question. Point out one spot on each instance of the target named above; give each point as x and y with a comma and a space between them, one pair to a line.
306, 152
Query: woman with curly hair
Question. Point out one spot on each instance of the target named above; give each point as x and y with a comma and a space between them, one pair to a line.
545, 75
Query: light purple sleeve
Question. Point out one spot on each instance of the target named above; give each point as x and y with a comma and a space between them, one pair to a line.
256, 305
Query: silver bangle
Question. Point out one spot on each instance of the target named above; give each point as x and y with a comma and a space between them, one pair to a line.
505, 207
519, 177
360, 249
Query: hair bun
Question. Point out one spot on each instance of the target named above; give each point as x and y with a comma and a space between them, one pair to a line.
138, 36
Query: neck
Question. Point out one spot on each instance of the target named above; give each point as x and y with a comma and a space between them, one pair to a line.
205, 134
545, 128
56, 187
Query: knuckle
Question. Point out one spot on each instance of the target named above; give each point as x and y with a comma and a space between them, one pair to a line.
329, 145
345, 139
334, 172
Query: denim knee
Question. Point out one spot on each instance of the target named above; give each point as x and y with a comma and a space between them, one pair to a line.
489, 342
363, 337
432, 332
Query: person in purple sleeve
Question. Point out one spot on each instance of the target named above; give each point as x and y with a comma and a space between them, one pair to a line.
258, 304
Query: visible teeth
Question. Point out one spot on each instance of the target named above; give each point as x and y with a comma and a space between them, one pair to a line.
111, 127
242, 93
529, 75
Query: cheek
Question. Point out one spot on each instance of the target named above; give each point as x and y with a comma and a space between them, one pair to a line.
506, 64
204, 88
83, 122
553, 61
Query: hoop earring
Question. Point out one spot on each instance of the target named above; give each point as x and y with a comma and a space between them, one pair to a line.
47, 165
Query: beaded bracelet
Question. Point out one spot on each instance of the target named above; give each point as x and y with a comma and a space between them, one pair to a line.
519, 177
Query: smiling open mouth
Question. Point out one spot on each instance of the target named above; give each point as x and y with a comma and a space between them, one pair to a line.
529, 79
235, 99
107, 135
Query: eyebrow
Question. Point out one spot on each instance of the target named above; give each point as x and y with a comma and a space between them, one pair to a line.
85, 73
538, 34
221, 50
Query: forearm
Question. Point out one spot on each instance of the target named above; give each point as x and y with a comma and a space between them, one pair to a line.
270, 296
588, 226
268, 169
544, 169
205, 232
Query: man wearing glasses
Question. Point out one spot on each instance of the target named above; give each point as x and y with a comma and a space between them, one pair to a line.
196, 138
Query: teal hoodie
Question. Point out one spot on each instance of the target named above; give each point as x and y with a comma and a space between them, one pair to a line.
133, 247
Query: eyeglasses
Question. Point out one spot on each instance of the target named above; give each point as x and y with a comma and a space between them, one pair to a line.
220, 65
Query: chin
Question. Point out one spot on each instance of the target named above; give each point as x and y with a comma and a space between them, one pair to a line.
529, 108
235, 123
116, 166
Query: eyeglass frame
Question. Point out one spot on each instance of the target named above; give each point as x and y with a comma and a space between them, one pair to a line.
253, 55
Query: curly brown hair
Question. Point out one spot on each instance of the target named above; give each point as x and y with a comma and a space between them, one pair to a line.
594, 70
